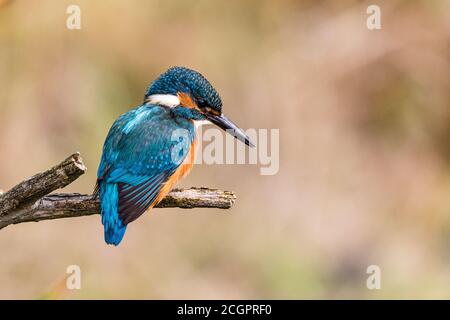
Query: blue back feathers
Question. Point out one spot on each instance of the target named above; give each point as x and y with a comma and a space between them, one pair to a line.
143, 149
145, 146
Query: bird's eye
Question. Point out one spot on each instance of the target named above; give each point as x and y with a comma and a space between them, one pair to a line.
203, 106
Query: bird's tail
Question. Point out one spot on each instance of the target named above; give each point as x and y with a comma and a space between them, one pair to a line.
109, 203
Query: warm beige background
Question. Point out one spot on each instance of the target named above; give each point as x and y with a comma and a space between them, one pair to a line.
365, 150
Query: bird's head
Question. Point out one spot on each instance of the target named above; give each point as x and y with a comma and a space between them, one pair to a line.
193, 97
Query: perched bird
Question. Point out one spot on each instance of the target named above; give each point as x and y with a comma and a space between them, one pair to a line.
150, 148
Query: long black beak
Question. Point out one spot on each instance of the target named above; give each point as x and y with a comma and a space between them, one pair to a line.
228, 125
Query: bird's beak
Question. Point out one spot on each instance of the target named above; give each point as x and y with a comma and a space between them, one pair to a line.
228, 125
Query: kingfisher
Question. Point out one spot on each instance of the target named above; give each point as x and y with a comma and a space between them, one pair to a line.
151, 147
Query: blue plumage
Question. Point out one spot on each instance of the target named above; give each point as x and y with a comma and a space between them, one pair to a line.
144, 152
180, 79
114, 228
140, 153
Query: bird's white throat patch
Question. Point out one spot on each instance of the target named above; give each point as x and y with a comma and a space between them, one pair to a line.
199, 123
167, 100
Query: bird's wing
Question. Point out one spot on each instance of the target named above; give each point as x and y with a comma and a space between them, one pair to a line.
143, 149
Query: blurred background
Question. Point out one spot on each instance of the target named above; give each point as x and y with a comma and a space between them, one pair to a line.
364, 119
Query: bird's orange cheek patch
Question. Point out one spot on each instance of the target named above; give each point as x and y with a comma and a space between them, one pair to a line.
185, 100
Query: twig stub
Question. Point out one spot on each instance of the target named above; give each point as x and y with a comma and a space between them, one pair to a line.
41, 184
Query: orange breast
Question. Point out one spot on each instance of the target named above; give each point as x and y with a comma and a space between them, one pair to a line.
181, 172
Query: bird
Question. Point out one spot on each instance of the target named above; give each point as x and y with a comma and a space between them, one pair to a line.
151, 147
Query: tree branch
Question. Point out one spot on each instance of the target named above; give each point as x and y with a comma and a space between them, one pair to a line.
29, 200
39, 185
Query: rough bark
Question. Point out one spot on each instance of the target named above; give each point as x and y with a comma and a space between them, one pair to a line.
30, 199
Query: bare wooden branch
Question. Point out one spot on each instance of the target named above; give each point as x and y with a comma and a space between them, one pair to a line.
29, 191
28, 201
70, 205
